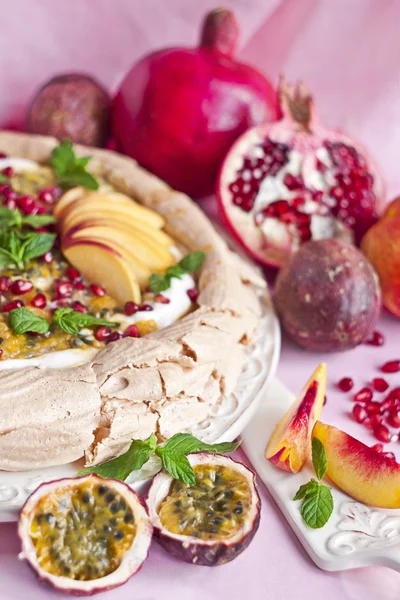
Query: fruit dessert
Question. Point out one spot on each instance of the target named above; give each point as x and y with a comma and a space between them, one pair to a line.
120, 289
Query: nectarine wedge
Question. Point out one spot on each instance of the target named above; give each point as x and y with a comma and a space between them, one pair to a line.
290, 444
103, 265
360, 471
157, 236
67, 199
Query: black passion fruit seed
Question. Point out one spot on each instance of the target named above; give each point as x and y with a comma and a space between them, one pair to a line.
214, 507
82, 532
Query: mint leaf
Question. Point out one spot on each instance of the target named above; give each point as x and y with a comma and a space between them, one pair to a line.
192, 262
71, 169
23, 320
6, 258
185, 443
72, 321
3, 178
305, 488
121, 467
177, 465
159, 283
36, 221
36, 245
317, 506
320, 463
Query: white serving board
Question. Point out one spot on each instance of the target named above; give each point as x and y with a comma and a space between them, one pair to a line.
356, 535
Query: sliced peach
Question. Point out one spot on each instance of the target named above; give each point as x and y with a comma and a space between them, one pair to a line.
67, 199
360, 471
290, 444
105, 266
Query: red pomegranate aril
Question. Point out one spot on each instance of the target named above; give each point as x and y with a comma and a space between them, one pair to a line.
79, 307
376, 339
102, 333
79, 286
394, 395
132, 331
161, 299
377, 447
389, 455
392, 366
363, 395
73, 275
379, 384
145, 307
5, 283
359, 413
9, 172
12, 305
28, 205
130, 308
193, 294
368, 424
47, 196
64, 289
11, 203
382, 433
345, 384
373, 408
21, 286
97, 290
114, 336
393, 418
41, 210
10, 195
39, 301
292, 182
48, 257
375, 420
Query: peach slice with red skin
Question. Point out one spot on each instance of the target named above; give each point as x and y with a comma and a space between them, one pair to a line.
290, 444
360, 471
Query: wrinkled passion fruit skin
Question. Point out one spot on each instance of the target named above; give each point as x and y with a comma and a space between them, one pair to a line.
72, 106
328, 296
198, 551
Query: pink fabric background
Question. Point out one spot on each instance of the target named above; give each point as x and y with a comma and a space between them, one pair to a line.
348, 51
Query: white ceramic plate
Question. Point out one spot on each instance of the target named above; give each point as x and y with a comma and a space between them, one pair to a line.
224, 423
355, 536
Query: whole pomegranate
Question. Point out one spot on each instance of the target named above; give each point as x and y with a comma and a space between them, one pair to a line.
285, 183
328, 296
178, 111
72, 106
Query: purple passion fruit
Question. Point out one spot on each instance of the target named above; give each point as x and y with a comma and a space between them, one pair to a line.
211, 522
84, 535
328, 296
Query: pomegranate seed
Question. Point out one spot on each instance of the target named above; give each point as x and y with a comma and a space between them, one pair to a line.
115, 336
368, 423
382, 433
388, 403
389, 455
73, 275
5, 283
28, 205
375, 420
161, 299
12, 305
193, 294
48, 257
21, 286
394, 394
39, 301
97, 290
102, 333
292, 182
78, 307
11, 204
64, 289
359, 413
79, 285
298, 201
363, 395
377, 447
47, 196
41, 210
145, 307
393, 366
373, 408
132, 331
8, 172
9, 195
379, 384
345, 384
376, 339
394, 418
130, 308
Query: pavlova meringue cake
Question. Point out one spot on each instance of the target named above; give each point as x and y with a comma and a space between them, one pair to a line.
123, 312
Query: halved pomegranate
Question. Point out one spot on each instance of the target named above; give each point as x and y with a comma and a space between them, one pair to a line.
285, 183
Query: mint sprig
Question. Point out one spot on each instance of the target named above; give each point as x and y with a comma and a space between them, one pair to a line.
23, 320
173, 455
189, 264
71, 169
14, 218
317, 505
17, 248
72, 321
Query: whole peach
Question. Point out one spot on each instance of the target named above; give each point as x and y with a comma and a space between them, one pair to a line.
381, 245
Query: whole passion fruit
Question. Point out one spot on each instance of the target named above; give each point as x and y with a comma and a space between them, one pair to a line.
84, 535
72, 106
211, 522
328, 296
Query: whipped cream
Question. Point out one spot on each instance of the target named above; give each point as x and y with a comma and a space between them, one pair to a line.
60, 359
19, 164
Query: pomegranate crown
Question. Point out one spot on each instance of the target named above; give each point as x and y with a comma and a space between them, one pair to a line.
220, 31
297, 103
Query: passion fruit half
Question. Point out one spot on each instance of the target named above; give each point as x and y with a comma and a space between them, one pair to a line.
84, 535
211, 522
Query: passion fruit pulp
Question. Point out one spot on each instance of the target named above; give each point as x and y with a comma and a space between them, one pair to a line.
84, 535
210, 522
